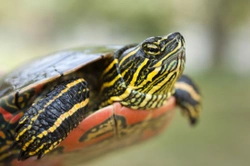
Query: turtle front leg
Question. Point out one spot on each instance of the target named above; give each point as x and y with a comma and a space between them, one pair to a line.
188, 97
48, 121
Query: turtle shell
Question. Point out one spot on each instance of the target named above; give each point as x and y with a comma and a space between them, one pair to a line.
85, 143
51, 67
20, 88
102, 131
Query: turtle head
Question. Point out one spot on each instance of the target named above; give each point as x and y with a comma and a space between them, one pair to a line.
149, 70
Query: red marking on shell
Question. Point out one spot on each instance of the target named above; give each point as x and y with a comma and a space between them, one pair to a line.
16, 118
132, 116
39, 88
72, 141
6, 115
90, 148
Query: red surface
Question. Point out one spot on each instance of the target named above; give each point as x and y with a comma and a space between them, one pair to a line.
88, 149
132, 117
72, 141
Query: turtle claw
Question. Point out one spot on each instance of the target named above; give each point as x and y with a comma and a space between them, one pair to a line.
40, 155
193, 121
22, 155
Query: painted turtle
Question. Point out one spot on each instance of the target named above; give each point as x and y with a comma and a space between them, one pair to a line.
42, 102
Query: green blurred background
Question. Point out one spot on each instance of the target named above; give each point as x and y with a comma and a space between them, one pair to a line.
217, 34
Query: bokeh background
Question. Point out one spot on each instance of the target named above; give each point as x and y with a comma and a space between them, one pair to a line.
217, 34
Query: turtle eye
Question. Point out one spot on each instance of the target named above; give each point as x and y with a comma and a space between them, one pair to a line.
151, 49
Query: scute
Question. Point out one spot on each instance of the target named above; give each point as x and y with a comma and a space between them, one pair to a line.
51, 67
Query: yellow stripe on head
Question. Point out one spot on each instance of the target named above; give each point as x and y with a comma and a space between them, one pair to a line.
146, 72
128, 55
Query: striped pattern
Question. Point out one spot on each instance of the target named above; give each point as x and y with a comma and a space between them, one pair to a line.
143, 77
188, 98
140, 77
50, 120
